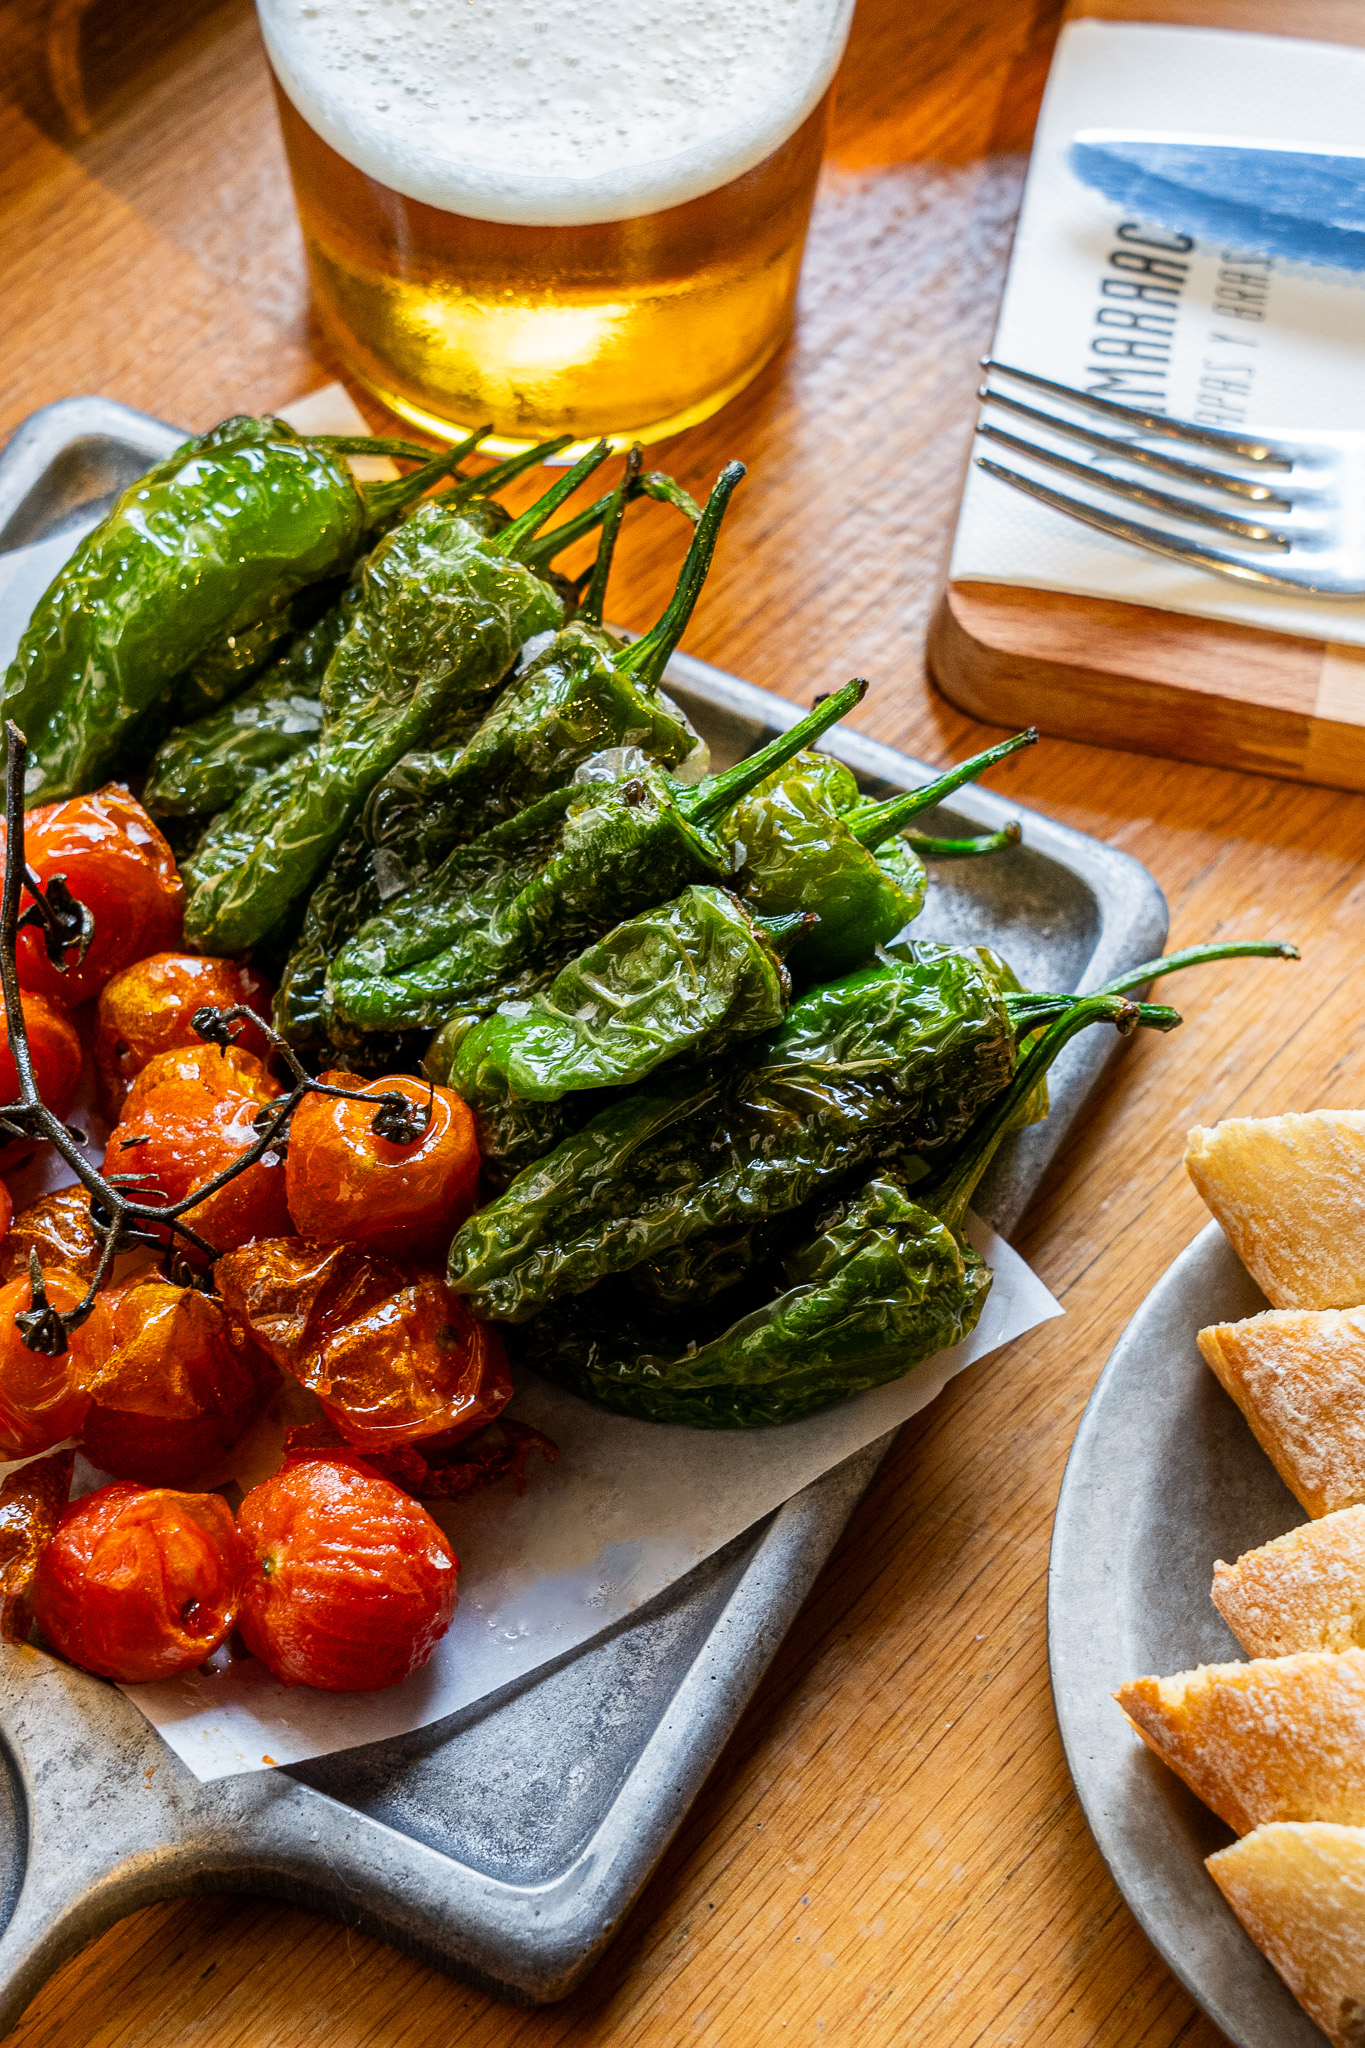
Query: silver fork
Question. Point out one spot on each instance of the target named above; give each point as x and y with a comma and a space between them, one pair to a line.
1298, 503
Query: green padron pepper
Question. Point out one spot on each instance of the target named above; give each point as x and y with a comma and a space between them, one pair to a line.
444, 612
567, 697
885, 1279
807, 836
691, 978
900, 1056
217, 537
501, 914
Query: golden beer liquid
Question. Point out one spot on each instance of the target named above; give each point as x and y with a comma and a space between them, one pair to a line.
630, 328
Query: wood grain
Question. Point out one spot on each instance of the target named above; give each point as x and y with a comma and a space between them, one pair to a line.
1131, 676
889, 1850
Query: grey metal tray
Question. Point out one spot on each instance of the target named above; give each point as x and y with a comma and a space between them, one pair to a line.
1164, 1476
507, 1842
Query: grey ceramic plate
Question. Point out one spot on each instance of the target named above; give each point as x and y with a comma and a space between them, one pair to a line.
1164, 1477
508, 1842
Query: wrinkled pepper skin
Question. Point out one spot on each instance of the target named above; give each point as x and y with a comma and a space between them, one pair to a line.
798, 853
900, 1056
501, 914
205, 766
440, 622
885, 1285
212, 540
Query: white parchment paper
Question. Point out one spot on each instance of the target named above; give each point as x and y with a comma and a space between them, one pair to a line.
1241, 342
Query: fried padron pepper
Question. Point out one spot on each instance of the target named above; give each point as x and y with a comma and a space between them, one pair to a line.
219, 536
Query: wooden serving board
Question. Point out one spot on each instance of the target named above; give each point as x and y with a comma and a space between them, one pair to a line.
1157, 682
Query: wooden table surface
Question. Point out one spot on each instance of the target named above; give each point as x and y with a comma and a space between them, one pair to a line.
889, 1850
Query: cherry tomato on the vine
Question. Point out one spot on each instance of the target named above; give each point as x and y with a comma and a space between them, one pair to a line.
350, 1583
139, 1583
113, 859
188, 1115
393, 1356
59, 1228
56, 1053
45, 1400
146, 1009
348, 1182
183, 1382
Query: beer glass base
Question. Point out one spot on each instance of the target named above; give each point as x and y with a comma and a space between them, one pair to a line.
448, 427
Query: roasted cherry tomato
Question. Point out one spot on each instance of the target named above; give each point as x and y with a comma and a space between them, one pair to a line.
56, 1052
183, 1382
187, 1116
146, 1009
58, 1227
349, 1182
350, 1584
115, 861
45, 1400
6, 1210
140, 1583
32, 1502
393, 1356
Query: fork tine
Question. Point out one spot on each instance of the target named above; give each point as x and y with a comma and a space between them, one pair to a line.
1245, 450
1138, 494
1192, 553
1131, 451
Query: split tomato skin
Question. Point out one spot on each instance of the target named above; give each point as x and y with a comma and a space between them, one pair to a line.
55, 1047
187, 1116
59, 1227
147, 1009
183, 1381
348, 1184
350, 1583
140, 1583
392, 1354
115, 860
43, 1401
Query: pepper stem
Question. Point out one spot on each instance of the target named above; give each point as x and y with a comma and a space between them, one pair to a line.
666, 490
514, 537
783, 932
1195, 956
869, 827
382, 501
648, 656
964, 849
595, 596
950, 1188
716, 793
490, 480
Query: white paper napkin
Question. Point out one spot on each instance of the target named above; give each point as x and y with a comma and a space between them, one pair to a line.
1216, 336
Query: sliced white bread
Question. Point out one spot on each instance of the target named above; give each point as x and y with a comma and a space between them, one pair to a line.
1298, 1888
1287, 1191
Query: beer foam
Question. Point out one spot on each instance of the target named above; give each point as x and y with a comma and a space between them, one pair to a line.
554, 112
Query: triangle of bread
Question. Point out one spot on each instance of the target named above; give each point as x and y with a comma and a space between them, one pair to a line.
1298, 1888
1298, 1376
1287, 1191
1304, 1591
1281, 1738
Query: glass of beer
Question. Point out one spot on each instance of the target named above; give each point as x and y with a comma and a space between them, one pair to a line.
563, 216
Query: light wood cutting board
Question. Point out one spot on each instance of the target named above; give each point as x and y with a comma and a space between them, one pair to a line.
1126, 675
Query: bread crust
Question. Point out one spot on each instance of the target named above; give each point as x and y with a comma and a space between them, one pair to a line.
1303, 1591
1298, 1376
1298, 1888
1286, 1190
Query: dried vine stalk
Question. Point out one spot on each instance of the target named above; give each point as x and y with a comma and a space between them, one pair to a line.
120, 1219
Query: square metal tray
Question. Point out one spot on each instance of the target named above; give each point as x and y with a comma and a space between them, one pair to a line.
507, 1842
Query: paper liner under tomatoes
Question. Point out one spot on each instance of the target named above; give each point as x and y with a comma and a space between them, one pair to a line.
181, 1384
350, 1584
188, 1114
498, 1451
32, 1503
58, 1227
44, 1400
140, 1583
393, 1356
404, 1189
114, 860
147, 1009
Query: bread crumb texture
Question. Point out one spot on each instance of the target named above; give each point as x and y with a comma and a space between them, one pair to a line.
1287, 1191
1298, 1376
1298, 1888
1304, 1591
1281, 1738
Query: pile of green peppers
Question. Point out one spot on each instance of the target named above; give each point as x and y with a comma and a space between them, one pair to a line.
731, 1108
